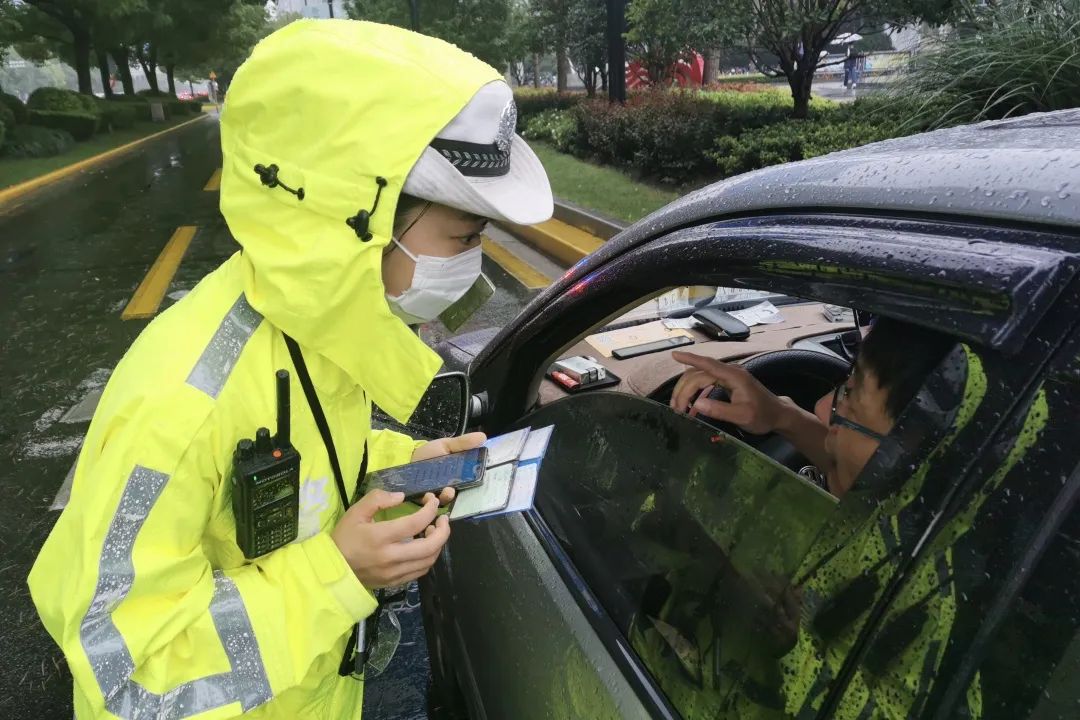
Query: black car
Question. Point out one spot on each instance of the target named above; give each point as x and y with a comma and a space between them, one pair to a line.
648, 580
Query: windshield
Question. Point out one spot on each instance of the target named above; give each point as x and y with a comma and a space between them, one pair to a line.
681, 302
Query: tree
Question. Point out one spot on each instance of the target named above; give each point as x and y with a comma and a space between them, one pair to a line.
65, 29
551, 18
228, 42
798, 33
524, 43
665, 31
587, 40
476, 26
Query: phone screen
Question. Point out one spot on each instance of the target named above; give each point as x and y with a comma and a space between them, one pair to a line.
460, 470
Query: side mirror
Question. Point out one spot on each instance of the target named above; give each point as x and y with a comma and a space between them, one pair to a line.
442, 412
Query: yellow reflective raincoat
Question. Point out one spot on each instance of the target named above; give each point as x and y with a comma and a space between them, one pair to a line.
141, 582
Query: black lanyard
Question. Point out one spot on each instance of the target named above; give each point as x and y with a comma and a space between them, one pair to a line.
320, 422
370, 625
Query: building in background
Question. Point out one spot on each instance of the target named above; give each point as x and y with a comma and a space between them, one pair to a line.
312, 8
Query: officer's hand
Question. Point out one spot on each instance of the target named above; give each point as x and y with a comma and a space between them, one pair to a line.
753, 408
446, 446
383, 554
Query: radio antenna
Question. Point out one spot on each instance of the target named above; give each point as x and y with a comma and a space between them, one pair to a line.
283, 426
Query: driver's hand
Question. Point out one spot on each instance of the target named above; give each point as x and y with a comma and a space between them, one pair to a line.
753, 408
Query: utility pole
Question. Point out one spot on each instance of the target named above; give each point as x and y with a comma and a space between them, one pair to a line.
330, 4
414, 14
616, 26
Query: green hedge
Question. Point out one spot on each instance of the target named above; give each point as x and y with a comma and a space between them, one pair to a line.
556, 127
15, 105
7, 119
789, 141
3, 132
55, 100
138, 105
532, 102
89, 104
81, 125
28, 141
678, 137
664, 135
118, 116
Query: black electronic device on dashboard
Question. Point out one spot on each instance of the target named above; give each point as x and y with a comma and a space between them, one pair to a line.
266, 484
669, 343
720, 325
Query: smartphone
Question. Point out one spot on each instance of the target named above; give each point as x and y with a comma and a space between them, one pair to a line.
457, 314
461, 470
651, 347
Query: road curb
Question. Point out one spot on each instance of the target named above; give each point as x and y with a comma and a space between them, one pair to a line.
557, 240
592, 222
573, 233
7, 195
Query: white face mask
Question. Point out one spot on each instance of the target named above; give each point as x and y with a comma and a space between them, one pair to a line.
437, 284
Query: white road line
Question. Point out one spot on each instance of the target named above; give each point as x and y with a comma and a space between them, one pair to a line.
64, 494
59, 447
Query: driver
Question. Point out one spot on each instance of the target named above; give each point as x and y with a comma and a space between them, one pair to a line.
847, 425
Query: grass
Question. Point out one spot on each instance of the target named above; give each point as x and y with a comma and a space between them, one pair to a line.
16, 170
1014, 58
598, 188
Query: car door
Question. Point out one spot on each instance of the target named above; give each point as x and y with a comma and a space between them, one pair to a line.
848, 573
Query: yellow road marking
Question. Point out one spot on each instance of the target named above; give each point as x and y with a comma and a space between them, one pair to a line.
16, 191
565, 243
214, 183
148, 296
522, 271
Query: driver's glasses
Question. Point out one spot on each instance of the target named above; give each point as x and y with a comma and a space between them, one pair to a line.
835, 418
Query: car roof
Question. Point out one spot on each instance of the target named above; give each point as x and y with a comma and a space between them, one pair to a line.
1024, 170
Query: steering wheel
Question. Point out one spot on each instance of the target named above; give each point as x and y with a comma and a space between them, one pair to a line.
803, 375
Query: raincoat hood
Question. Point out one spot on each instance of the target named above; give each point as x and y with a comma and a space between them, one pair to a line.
336, 104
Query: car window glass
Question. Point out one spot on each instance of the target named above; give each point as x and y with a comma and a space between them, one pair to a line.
686, 535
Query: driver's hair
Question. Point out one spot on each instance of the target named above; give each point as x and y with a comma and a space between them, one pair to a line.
901, 355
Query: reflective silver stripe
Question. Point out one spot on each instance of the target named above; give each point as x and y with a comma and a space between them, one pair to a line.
238, 638
220, 356
109, 656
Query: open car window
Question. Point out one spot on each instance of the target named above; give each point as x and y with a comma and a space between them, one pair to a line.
687, 536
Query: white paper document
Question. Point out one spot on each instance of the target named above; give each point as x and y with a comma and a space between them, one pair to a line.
509, 485
761, 314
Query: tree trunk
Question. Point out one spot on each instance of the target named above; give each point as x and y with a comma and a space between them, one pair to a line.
81, 46
123, 69
149, 69
712, 67
589, 79
560, 57
170, 73
536, 69
103, 67
603, 77
800, 82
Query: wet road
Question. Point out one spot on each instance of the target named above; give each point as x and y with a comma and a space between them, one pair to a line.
70, 260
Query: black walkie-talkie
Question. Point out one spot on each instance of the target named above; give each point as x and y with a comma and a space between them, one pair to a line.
266, 484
